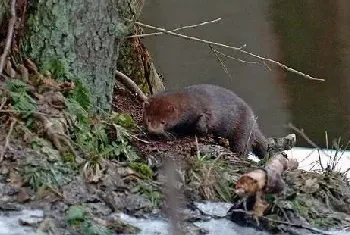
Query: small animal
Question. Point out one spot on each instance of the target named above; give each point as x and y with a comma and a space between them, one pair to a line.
205, 109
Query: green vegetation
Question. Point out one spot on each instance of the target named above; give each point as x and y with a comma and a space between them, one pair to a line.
64, 129
80, 218
212, 177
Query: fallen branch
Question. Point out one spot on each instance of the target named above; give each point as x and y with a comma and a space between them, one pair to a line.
7, 140
230, 47
176, 29
130, 84
264, 181
318, 231
9, 35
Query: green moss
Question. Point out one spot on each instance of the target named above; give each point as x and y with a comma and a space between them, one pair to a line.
142, 169
83, 34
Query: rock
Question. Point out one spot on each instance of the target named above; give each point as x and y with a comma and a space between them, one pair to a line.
23, 196
77, 192
31, 217
8, 192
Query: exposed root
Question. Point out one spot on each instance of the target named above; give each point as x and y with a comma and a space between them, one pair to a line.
56, 138
13, 122
9, 35
131, 85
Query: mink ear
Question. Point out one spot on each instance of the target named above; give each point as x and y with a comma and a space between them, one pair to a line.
171, 108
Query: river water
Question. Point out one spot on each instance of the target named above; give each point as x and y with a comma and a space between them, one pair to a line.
311, 36
9, 224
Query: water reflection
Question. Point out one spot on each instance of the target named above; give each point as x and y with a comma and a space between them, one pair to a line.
307, 35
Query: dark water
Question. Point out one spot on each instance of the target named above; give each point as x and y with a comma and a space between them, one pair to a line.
311, 36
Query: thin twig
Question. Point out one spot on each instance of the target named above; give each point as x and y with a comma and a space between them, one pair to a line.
9, 35
7, 140
230, 47
3, 102
240, 60
128, 134
22, 111
220, 61
300, 132
176, 29
198, 152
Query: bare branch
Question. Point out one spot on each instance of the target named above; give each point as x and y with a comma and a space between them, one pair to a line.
130, 84
9, 35
176, 29
230, 47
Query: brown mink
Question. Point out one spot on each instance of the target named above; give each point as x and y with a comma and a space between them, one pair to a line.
205, 109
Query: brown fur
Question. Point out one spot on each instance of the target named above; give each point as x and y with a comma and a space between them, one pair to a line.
206, 109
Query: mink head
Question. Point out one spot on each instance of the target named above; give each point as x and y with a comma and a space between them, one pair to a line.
159, 115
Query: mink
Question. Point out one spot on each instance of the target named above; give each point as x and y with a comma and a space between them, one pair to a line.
206, 109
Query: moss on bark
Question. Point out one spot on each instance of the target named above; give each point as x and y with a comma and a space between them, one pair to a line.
135, 61
86, 35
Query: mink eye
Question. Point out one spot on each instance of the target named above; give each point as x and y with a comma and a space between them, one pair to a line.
163, 122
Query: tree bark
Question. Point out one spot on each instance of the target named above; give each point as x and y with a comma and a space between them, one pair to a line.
85, 35
4, 13
135, 62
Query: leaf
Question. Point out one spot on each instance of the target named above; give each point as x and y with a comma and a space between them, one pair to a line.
74, 108
123, 119
16, 85
91, 228
76, 214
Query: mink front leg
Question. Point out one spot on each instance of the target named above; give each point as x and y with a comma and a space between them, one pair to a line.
201, 125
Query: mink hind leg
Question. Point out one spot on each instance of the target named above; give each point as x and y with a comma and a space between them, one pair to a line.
259, 143
239, 142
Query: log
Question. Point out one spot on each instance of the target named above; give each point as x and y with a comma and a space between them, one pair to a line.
267, 180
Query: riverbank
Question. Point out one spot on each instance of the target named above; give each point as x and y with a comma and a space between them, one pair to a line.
82, 171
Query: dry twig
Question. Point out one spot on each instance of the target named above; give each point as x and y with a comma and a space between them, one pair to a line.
9, 35
176, 29
300, 132
216, 54
271, 61
7, 140
240, 60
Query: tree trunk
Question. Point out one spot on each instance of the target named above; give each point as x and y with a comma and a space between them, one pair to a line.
84, 35
135, 62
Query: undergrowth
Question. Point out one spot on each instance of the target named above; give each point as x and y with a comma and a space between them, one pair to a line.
79, 134
212, 177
